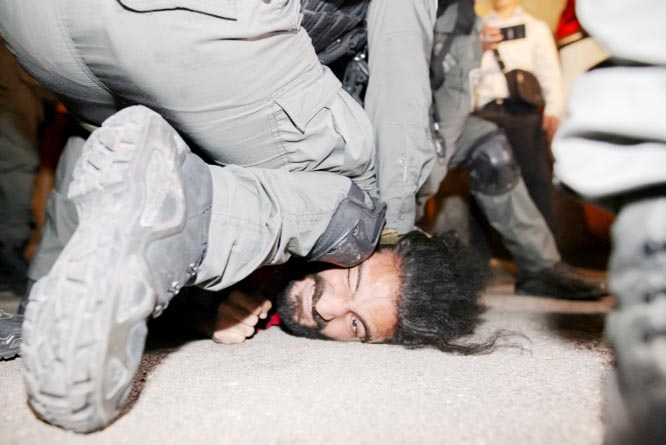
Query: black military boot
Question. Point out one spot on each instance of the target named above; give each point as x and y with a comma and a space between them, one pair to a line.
559, 281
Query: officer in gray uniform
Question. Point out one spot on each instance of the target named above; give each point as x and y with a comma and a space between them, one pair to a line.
484, 151
392, 82
398, 100
611, 149
335, 29
338, 30
21, 114
291, 173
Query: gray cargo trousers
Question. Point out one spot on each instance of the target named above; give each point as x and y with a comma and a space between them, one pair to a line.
513, 213
400, 35
21, 113
240, 81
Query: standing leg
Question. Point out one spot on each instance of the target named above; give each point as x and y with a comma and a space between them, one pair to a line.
496, 184
522, 126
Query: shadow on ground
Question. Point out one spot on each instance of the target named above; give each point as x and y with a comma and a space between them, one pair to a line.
583, 330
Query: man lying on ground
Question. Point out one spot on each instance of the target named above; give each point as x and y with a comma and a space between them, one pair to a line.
420, 292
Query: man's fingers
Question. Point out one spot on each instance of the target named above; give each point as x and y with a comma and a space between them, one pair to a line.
228, 337
490, 33
254, 304
241, 329
229, 330
265, 307
490, 37
237, 317
230, 315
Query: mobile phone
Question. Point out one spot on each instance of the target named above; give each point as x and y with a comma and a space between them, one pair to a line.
513, 32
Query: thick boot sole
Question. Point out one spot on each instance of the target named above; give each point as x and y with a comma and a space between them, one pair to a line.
637, 328
85, 323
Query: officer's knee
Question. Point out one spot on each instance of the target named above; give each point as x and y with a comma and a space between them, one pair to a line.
492, 167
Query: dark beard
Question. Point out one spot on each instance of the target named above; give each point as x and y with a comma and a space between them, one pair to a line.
287, 309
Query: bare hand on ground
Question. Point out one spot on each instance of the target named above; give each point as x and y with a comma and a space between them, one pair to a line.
238, 316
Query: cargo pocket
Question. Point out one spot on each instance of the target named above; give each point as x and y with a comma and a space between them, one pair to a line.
302, 99
226, 9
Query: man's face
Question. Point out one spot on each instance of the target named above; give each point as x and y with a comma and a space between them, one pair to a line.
356, 304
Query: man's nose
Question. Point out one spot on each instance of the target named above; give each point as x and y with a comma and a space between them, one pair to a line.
332, 306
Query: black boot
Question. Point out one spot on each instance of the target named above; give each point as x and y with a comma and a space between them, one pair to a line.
559, 281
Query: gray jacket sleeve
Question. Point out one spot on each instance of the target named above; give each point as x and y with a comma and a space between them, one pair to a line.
400, 36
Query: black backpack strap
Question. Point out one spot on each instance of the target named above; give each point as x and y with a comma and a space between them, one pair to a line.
465, 18
464, 24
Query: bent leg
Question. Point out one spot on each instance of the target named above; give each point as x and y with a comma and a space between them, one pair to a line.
523, 229
502, 196
528, 141
149, 212
264, 216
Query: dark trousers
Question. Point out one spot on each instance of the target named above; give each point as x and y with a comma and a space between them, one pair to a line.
523, 127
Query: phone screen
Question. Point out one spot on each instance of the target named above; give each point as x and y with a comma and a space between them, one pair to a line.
513, 32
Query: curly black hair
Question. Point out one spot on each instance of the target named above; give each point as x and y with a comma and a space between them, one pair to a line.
441, 283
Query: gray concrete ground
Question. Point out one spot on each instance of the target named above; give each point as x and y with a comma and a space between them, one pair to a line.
277, 389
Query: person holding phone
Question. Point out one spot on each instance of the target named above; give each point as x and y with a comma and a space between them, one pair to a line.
522, 42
